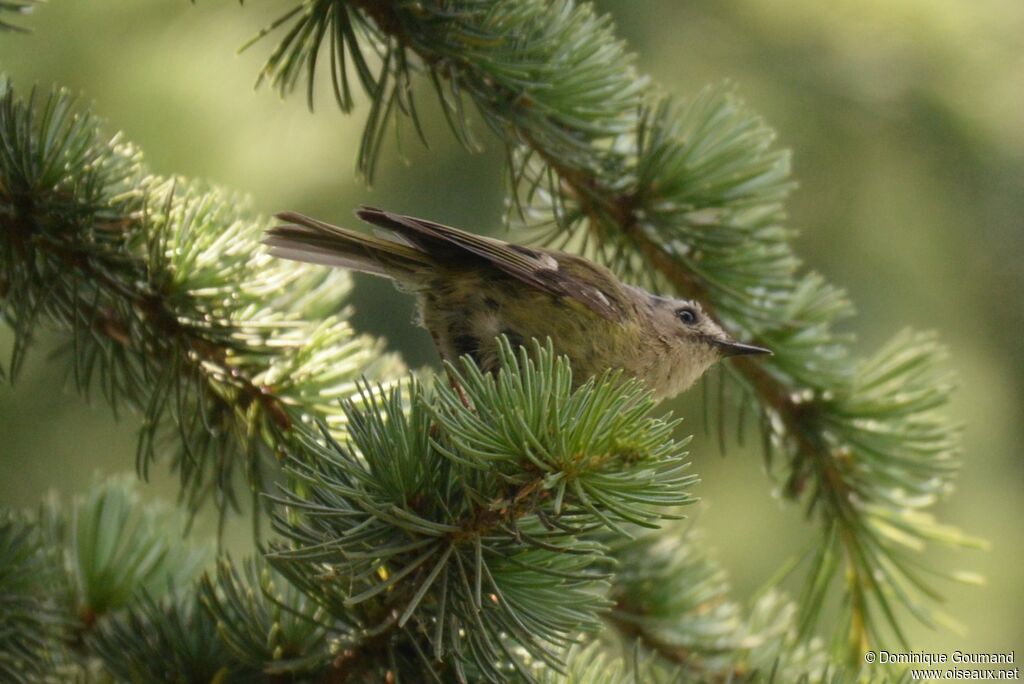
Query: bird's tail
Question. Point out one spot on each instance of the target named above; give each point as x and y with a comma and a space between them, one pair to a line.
302, 238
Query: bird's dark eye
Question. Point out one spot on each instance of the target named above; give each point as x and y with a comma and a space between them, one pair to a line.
687, 316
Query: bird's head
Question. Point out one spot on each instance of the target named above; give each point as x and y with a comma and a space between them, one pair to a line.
691, 340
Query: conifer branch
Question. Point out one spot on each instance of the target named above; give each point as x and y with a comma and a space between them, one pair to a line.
264, 621
686, 198
29, 618
67, 571
149, 621
672, 599
181, 644
454, 535
166, 300
105, 588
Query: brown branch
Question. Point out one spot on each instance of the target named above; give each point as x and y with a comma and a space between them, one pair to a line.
356, 659
197, 351
683, 656
519, 504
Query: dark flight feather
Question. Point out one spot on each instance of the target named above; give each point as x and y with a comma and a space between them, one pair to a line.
535, 268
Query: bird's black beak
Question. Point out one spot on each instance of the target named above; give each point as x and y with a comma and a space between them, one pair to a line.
734, 348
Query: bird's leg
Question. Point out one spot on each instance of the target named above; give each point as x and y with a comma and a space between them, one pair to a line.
452, 380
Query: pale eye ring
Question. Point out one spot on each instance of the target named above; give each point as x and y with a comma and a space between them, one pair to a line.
687, 316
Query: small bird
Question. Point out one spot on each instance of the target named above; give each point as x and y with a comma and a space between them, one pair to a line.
471, 289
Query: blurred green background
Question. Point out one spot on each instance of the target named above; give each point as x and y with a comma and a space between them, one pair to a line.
906, 120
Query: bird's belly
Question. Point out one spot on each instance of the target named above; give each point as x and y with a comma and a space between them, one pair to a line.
467, 321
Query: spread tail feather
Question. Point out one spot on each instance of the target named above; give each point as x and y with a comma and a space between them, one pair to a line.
302, 238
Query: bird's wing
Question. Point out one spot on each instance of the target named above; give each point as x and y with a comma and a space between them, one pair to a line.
302, 238
536, 268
